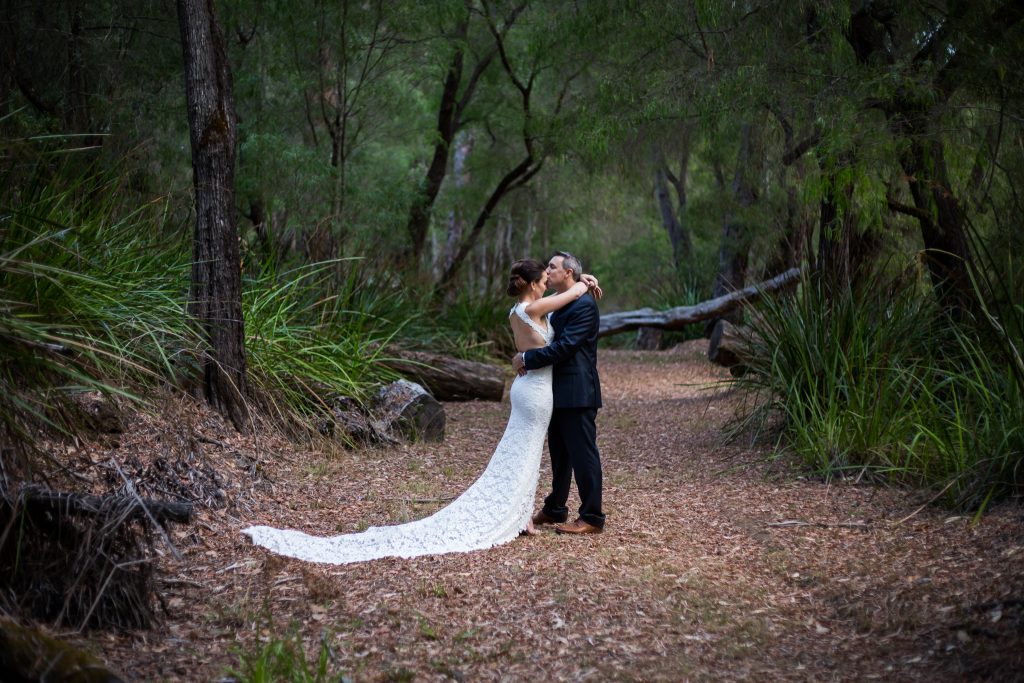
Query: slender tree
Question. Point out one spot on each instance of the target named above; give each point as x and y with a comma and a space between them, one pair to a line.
215, 298
734, 249
673, 219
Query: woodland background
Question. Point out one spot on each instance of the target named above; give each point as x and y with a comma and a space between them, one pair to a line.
262, 203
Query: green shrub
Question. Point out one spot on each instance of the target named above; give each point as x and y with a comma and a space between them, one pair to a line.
888, 386
93, 296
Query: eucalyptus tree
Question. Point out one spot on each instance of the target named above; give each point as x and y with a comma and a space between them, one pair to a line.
457, 91
673, 216
216, 294
929, 53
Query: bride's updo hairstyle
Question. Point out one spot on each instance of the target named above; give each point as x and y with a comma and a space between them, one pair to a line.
524, 273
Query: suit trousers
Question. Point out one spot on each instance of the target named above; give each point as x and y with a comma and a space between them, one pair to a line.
572, 442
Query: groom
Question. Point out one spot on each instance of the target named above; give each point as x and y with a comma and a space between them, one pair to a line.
577, 396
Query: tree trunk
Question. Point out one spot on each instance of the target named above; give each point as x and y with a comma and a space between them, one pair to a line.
947, 253
517, 177
447, 378
833, 262
419, 212
215, 298
735, 245
76, 110
457, 219
679, 236
789, 249
845, 254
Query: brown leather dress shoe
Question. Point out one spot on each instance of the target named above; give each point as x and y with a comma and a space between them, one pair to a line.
578, 527
543, 518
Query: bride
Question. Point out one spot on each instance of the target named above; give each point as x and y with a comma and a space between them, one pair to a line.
499, 505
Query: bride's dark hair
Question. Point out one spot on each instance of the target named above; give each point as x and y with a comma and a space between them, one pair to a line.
524, 273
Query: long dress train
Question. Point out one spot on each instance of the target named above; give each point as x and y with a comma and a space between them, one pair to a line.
494, 510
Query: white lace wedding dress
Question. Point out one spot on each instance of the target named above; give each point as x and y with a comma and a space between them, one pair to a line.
494, 510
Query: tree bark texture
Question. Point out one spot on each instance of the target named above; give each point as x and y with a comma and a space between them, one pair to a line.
673, 218
834, 226
735, 245
216, 293
76, 99
130, 507
447, 378
730, 345
947, 253
456, 219
794, 245
681, 316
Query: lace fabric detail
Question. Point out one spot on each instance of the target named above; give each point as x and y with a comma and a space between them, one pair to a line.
519, 310
492, 511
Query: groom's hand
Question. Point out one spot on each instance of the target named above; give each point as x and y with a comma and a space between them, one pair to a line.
519, 364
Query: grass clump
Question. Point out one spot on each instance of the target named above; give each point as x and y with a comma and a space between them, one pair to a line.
882, 384
94, 293
284, 660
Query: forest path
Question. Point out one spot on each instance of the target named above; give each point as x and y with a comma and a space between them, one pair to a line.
715, 565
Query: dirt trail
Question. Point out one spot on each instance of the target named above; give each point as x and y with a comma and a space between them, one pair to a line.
715, 565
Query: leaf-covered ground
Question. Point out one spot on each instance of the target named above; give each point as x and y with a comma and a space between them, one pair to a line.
715, 564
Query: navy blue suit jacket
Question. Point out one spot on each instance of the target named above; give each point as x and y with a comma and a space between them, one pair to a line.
572, 355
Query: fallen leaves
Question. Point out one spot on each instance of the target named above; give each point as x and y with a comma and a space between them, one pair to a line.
715, 564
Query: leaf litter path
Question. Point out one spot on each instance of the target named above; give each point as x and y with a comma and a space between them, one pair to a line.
715, 565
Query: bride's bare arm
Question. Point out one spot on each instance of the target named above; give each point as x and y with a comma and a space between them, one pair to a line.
545, 305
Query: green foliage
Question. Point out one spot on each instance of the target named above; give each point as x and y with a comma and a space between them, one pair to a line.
284, 660
94, 299
91, 297
882, 384
306, 342
475, 327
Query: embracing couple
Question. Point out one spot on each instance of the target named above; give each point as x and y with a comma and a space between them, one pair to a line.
571, 356
556, 393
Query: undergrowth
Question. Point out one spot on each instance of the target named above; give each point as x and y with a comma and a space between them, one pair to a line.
93, 297
883, 384
284, 660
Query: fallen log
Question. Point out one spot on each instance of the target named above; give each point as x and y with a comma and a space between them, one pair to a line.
649, 338
447, 378
731, 345
39, 501
681, 316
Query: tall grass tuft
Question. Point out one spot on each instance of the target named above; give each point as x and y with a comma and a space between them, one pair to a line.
284, 660
883, 384
86, 298
312, 335
93, 297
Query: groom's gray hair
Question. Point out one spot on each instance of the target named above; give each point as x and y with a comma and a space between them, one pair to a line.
570, 262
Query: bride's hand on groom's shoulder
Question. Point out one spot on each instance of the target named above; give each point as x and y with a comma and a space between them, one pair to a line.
592, 285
